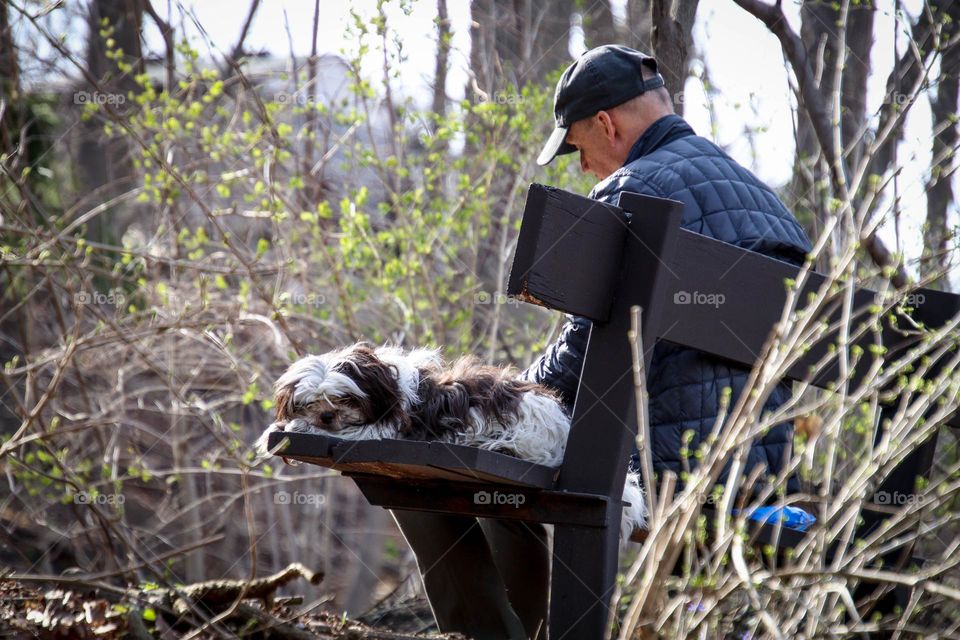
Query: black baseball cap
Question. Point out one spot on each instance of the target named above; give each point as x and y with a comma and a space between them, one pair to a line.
601, 78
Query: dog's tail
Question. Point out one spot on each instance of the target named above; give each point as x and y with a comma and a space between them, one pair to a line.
635, 515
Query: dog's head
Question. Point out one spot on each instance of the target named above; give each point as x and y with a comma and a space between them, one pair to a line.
347, 388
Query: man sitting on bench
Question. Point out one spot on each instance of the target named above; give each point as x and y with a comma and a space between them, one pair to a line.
490, 578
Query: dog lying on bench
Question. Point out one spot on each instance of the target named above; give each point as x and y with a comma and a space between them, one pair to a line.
366, 393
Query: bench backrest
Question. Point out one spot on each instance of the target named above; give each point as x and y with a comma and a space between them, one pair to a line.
598, 260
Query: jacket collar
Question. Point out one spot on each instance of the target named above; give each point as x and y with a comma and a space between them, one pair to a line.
666, 129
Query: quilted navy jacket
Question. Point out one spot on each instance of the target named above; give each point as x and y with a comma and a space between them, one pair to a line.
721, 200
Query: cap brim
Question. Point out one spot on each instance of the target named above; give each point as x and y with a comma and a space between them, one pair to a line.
556, 146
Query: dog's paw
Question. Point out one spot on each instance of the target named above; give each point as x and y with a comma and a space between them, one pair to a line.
262, 446
299, 425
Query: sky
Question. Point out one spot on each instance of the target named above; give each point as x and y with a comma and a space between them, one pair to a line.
743, 58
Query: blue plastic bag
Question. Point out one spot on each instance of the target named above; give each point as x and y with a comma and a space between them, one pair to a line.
792, 517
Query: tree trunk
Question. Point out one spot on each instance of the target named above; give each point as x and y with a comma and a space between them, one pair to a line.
856, 71
9, 83
100, 161
819, 36
598, 25
443, 60
940, 188
637, 33
906, 72
672, 42
517, 42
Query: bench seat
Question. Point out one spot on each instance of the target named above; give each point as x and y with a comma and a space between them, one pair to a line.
401, 474
414, 460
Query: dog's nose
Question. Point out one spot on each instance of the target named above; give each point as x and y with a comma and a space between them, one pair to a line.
327, 417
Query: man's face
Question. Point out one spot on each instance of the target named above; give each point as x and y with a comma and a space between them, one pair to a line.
596, 140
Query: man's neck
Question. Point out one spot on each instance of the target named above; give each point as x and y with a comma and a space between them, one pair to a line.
650, 138
647, 121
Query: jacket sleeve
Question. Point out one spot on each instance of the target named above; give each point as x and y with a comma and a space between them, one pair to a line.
560, 366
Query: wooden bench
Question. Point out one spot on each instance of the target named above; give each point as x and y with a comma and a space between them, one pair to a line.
598, 260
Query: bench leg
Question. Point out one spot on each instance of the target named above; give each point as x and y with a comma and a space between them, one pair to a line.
584, 577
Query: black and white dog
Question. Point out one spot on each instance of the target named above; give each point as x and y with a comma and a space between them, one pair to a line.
362, 392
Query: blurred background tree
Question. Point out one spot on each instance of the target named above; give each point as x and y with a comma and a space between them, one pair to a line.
180, 217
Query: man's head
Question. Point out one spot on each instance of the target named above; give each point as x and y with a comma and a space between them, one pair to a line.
604, 101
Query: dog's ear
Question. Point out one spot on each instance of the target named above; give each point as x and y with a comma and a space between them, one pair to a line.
284, 402
378, 380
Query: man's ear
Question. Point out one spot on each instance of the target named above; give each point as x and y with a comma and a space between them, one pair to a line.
607, 126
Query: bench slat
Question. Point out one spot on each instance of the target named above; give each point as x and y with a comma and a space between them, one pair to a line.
407, 459
557, 227
724, 300
487, 501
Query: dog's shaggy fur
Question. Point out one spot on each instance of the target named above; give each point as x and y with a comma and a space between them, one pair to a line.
362, 392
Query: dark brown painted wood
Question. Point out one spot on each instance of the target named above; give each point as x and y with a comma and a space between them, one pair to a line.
725, 301
568, 252
403, 458
604, 420
489, 501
